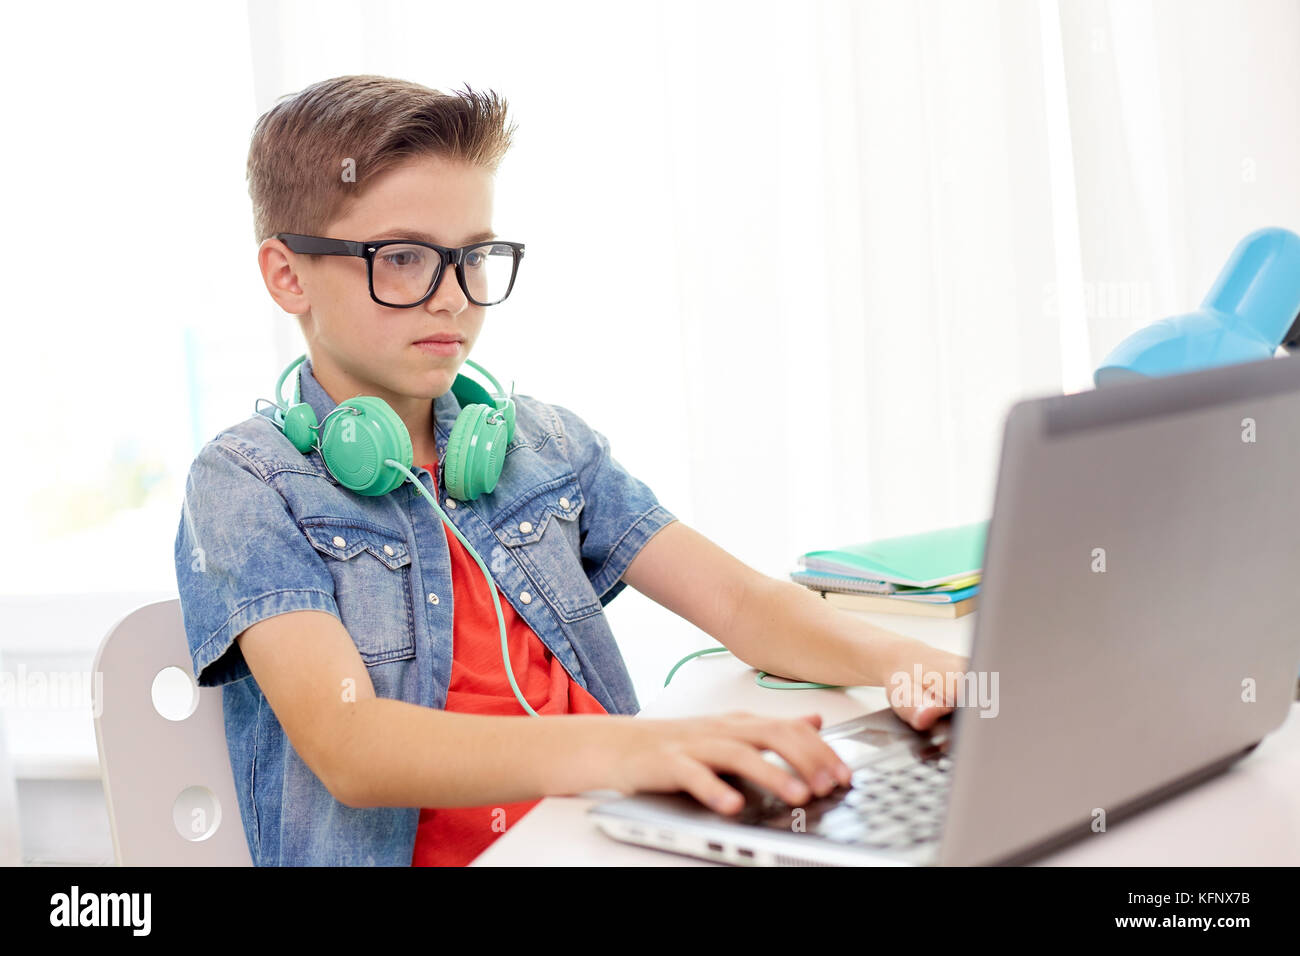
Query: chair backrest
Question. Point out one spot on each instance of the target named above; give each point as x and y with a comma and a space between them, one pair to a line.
11, 853
168, 784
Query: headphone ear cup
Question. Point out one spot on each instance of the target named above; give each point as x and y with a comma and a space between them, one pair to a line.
475, 454
469, 392
492, 450
454, 472
299, 425
507, 408
355, 446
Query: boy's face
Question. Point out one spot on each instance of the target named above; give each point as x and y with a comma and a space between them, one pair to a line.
359, 346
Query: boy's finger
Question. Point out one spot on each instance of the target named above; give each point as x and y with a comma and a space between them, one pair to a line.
925, 716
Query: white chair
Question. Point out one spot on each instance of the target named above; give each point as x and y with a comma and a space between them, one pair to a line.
11, 853
168, 784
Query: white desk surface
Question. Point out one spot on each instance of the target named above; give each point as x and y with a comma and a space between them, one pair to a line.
1249, 815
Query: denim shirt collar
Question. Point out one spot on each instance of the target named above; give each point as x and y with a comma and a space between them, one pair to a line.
446, 408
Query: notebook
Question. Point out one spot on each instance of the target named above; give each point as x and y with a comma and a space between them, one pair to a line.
847, 583
883, 604
923, 560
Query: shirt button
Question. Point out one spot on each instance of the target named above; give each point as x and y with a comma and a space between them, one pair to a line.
564, 503
433, 599
526, 597
339, 542
388, 550
451, 503
525, 527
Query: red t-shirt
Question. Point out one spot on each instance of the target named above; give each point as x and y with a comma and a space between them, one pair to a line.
454, 836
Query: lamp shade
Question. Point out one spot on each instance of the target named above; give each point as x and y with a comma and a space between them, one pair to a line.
1245, 317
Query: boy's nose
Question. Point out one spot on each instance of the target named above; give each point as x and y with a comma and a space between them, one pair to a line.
456, 292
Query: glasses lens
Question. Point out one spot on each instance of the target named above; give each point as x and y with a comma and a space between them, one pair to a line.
488, 269
402, 274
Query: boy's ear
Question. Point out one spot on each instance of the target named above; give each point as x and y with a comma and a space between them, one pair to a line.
279, 271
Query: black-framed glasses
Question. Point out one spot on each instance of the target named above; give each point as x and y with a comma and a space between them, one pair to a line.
404, 273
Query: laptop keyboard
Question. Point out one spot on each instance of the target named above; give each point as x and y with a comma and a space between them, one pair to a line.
893, 803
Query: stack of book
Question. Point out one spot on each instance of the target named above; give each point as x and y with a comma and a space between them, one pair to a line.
935, 573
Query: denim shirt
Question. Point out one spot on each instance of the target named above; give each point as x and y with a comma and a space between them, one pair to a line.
265, 530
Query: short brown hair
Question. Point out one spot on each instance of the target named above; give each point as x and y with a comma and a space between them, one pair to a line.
301, 148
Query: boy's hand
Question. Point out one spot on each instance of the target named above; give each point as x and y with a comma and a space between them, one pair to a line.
687, 754
922, 705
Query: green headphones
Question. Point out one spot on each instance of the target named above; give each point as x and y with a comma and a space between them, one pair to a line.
356, 445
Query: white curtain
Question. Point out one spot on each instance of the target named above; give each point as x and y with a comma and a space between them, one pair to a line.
795, 262
1186, 135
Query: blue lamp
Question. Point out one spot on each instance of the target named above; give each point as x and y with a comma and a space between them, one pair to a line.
1253, 307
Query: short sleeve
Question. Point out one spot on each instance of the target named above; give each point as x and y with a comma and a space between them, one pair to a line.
620, 513
240, 558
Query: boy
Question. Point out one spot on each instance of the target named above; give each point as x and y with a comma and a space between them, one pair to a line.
368, 714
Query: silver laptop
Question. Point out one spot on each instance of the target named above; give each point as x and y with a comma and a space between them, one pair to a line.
1137, 609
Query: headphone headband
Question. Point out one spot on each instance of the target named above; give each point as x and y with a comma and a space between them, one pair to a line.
297, 388
356, 452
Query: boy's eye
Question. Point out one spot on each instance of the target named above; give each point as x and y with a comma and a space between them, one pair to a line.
402, 258
474, 259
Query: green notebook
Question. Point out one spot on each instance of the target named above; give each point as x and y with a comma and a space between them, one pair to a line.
914, 560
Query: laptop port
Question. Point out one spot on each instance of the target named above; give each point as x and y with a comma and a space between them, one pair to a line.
715, 847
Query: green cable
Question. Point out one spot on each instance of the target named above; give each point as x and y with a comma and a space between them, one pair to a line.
505, 649
693, 654
760, 679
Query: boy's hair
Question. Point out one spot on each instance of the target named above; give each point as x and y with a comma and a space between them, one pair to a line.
315, 151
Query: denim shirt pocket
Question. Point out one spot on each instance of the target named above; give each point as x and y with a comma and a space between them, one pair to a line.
541, 530
371, 566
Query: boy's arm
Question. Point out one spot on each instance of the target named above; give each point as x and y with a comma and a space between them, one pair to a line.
371, 751
375, 751
776, 626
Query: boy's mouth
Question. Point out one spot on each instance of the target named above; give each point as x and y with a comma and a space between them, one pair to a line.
440, 344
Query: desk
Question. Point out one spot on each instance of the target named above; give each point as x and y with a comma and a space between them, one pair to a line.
1249, 815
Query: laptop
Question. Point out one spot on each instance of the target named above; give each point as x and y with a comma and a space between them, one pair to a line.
1136, 609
